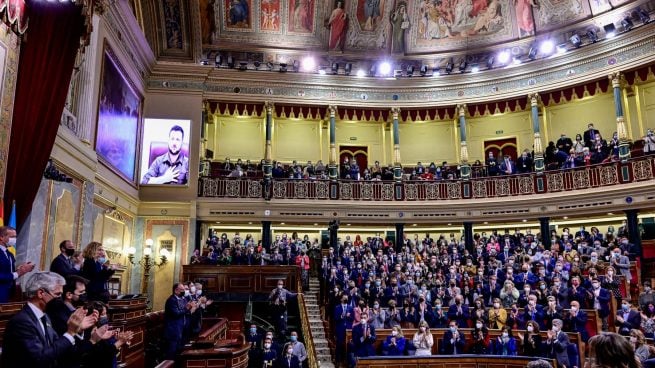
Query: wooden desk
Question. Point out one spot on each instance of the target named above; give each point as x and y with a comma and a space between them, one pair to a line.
449, 361
7, 310
130, 314
233, 357
241, 279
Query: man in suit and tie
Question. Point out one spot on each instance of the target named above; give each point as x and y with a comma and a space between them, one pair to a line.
30, 340
176, 311
557, 344
343, 320
63, 263
9, 271
74, 296
590, 135
627, 318
600, 298
363, 339
288, 360
507, 166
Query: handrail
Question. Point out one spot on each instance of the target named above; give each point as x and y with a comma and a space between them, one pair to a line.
306, 332
554, 181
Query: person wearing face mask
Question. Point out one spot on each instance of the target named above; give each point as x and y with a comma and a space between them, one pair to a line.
610, 281
278, 302
394, 344
9, 270
575, 320
298, 347
98, 271
497, 315
363, 339
638, 342
627, 318
29, 339
647, 296
102, 354
531, 340
505, 344
622, 264
453, 341
599, 298
557, 344
254, 339
269, 354
176, 311
343, 320
459, 312
288, 360
73, 297
63, 264
480, 337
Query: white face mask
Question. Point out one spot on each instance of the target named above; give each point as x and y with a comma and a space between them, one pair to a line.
478, 325
530, 328
11, 242
394, 333
198, 292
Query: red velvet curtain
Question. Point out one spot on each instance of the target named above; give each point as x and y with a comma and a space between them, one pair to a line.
46, 64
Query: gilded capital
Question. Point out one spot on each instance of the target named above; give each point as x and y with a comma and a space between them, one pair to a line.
333, 110
534, 98
395, 111
616, 78
461, 109
269, 107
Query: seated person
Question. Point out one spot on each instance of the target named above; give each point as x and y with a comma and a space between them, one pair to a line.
531, 340
453, 341
480, 336
505, 344
423, 339
395, 343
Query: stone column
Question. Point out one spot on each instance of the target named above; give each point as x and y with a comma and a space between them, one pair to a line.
544, 229
632, 223
468, 236
397, 169
266, 234
624, 141
400, 232
332, 165
86, 99
464, 167
537, 146
268, 161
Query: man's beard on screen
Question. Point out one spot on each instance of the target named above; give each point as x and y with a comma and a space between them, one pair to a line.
173, 153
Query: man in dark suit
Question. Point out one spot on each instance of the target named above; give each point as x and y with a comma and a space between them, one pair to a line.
564, 143
288, 360
9, 271
453, 340
459, 312
557, 344
63, 263
627, 318
343, 320
30, 340
599, 299
524, 163
60, 310
363, 338
590, 135
575, 320
176, 311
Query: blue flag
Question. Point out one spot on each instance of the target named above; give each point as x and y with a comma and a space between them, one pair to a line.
12, 216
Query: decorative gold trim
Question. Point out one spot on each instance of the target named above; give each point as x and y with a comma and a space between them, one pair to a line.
616, 78
620, 128
534, 98
461, 108
46, 228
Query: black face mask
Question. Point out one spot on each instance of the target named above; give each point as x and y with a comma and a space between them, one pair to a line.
69, 252
81, 301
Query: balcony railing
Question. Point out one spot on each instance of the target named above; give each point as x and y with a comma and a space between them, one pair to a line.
596, 176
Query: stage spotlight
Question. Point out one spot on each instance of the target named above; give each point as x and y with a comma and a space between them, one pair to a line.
257, 64
547, 47
610, 30
449, 66
503, 57
532, 53
385, 68
335, 68
576, 40
643, 15
283, 67
475, 68
627, 24
410, 70
424, 70
321, 71
490, 61
296, 66
397, 73
348, 69
361, 73
593, 37
218, 61
230, 62
243, 65
561, 48
308, 64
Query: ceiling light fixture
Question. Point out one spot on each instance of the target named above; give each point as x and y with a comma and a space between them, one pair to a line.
503, 57
547, 47
385, 68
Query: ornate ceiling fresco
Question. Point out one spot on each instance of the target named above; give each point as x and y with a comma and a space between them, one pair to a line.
372, 27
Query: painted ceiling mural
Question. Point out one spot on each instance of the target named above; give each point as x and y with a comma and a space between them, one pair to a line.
385, 26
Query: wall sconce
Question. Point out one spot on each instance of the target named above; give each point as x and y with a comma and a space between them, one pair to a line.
147, 261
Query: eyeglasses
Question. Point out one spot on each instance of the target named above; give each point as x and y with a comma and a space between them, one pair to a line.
57, 295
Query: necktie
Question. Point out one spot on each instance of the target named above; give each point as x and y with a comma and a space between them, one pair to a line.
11, 264
44, 322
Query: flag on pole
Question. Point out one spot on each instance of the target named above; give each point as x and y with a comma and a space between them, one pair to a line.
12, 223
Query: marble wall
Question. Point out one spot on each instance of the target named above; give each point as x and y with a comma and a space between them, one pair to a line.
9, 51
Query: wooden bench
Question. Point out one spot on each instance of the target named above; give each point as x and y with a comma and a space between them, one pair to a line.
214, 329
232, 355
438, 335
449, 361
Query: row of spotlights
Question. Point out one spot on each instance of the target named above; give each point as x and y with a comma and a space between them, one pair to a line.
504, 57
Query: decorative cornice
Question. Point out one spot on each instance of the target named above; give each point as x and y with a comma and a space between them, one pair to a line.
627, 51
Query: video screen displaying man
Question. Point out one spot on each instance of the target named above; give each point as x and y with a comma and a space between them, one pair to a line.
172, 167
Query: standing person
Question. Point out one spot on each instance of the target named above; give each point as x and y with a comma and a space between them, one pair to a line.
176, 312
9, 272
505, 344
29, 341
453, 340
288, 360
363, 339
269, 354
98, 270
343, 320
557, 344
298, 347
73, 297
480, 336
303, 262
64, 264
423, 340
394, 345
531, 340
278, 300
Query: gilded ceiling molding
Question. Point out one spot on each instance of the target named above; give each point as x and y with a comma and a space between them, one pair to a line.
625, 52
